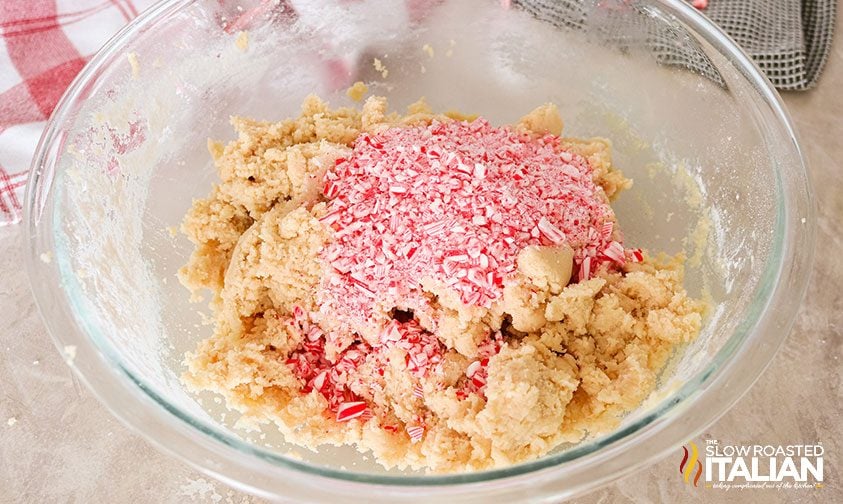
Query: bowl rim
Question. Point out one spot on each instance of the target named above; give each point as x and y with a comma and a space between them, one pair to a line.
677, 418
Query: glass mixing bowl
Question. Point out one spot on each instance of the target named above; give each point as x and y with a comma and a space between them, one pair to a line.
714, 157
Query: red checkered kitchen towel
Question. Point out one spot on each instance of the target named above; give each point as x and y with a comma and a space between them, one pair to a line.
43, 45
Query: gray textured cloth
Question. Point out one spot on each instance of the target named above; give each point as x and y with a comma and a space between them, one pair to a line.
788, 39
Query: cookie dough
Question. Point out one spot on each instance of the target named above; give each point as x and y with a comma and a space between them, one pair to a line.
445, 294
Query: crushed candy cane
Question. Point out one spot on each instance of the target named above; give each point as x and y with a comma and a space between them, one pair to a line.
416, 433
350, 410
337, 380
455, 202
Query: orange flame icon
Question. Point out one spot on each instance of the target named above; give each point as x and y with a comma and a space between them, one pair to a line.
690, 461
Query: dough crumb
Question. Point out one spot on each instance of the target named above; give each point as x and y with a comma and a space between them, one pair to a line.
698, 240
357, 91
242, 41
46, 257
428, 50
11, 421
544, 119
134, 64
459, 116
380, 67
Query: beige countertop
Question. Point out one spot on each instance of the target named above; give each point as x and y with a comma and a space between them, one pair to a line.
58, 444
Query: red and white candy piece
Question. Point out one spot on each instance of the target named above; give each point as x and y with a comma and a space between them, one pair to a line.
635, 255
472, 368
585, 269
416, 433
350, 410
615, 252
